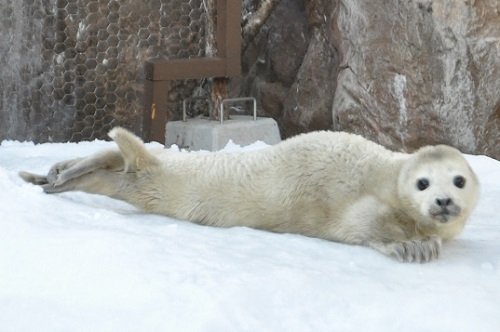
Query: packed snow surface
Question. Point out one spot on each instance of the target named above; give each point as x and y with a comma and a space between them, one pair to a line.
80, 262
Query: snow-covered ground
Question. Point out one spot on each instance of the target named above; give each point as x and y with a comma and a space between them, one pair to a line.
79, 262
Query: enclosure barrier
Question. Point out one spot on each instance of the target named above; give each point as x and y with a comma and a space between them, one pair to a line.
158, 72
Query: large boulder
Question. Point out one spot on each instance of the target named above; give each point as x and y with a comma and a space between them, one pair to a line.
291, 69
417, 73
403, 73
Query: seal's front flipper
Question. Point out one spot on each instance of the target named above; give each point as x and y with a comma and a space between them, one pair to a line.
416, 250
36, 179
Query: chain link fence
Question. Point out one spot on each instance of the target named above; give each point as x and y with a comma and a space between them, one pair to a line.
73, 69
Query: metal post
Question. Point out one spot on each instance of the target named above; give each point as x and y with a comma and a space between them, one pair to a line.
233, 100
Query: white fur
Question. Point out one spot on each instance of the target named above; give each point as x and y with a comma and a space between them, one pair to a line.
330, 185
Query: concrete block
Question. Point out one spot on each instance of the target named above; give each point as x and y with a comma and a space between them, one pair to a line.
204, 134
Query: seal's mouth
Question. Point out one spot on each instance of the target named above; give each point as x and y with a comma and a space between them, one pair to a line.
444, 214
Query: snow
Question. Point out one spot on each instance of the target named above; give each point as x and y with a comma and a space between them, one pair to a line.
80, 262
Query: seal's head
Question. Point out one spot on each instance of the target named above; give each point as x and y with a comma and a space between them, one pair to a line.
438, 189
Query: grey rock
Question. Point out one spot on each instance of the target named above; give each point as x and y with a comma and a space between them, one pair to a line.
420, 73
291, 68
403, 73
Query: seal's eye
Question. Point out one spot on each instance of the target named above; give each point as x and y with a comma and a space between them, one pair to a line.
422, 184
459, 181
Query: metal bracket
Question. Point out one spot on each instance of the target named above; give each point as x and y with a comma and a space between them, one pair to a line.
233, 100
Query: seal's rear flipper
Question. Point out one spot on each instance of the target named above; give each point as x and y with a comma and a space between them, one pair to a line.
42, 181
33, 178
134, 153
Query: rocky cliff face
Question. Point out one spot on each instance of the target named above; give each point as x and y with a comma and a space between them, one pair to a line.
291, 68
404, 73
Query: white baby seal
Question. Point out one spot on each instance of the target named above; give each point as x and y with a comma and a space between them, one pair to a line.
330, 185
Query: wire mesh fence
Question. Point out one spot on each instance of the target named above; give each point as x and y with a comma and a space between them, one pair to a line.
73, 69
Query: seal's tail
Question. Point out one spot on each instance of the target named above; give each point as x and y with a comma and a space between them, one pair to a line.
135, 155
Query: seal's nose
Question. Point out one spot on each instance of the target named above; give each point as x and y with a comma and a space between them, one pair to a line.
443, 202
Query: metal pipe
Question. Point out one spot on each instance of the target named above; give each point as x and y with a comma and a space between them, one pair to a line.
232, 100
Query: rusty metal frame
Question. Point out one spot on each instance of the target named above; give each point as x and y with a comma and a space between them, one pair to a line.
158, 72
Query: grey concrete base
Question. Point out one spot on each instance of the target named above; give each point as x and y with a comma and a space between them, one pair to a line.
204, 134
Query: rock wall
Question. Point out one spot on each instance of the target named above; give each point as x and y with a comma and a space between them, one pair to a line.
291, 68
404, 73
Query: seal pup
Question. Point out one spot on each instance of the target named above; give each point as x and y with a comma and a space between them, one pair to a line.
330, 185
